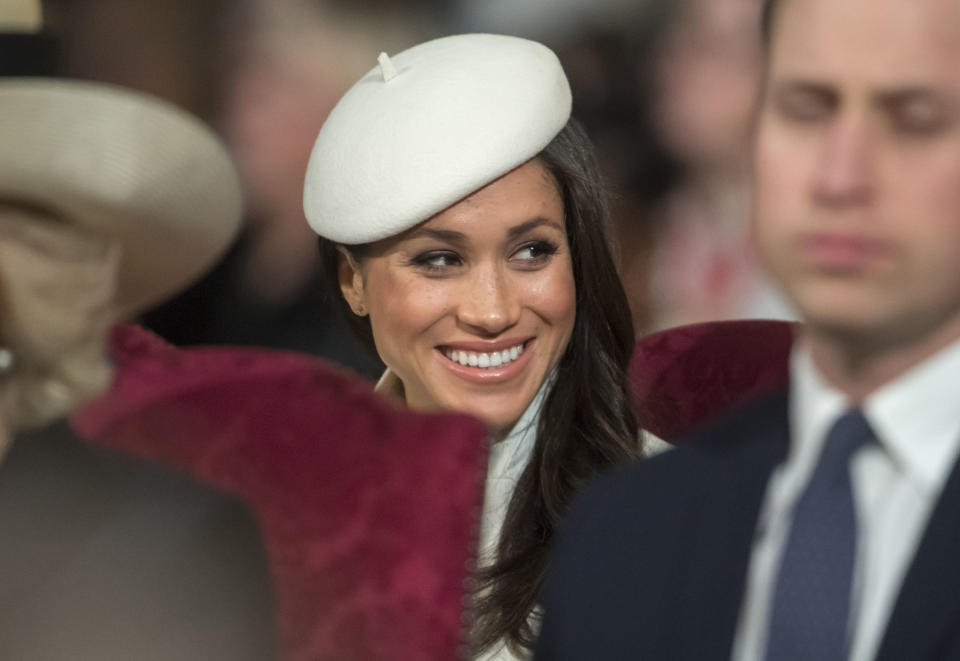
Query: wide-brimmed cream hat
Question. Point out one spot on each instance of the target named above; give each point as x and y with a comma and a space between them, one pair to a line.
120, 163
125, 165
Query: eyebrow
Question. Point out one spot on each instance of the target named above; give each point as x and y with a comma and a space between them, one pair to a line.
801, 86
443, 235
918, 93
454, 236
523, 228
885, 97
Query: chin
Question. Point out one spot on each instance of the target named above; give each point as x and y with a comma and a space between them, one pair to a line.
499, 417
500, 421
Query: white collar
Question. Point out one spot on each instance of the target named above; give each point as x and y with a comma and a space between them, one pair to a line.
508, 459
916, 417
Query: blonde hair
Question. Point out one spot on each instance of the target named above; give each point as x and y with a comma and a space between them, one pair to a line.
57, 284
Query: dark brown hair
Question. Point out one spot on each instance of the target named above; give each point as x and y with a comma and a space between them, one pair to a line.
766, 20
587, 422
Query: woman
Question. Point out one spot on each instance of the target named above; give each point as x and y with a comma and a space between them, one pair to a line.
460, 210
109, 201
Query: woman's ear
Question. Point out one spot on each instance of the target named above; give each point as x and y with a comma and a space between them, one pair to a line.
351, 281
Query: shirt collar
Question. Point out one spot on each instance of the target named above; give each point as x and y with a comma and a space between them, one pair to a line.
916, 417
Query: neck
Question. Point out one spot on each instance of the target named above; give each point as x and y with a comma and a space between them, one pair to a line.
859, 365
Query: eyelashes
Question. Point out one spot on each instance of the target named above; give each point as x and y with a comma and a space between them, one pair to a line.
538, 250
435, 260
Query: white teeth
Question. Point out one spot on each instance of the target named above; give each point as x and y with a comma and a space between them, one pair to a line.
485, 360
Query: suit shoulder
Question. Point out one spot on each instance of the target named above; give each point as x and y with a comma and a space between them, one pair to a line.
751, 435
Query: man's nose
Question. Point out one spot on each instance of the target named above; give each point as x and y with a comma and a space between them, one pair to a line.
845, 170
490, 301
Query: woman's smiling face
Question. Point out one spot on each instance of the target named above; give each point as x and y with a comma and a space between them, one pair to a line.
474, 307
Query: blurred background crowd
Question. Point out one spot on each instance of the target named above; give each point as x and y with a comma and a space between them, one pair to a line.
664, 87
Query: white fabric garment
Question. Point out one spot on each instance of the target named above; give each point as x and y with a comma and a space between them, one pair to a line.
508, 459
896, 484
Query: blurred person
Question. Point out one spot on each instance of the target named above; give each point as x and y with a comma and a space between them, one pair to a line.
608, 72
109, 201
461, 213
285, 64
818, 522
264, 74
706, 79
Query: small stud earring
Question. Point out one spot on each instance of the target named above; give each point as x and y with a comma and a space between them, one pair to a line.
360, 310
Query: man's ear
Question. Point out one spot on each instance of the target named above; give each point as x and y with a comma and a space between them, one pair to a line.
351, 281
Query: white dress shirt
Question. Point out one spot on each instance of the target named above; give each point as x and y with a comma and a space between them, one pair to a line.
896, 484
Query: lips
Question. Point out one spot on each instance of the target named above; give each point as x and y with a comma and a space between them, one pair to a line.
487, 362
839, 252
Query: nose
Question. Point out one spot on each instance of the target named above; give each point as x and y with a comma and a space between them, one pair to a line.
844, 177
489, 303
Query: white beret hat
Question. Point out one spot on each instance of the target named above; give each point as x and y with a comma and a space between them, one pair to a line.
426, 128
127, 166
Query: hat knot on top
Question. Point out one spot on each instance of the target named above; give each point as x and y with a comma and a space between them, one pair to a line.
386, 67
456, 113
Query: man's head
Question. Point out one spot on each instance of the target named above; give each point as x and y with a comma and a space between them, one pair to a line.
857, 159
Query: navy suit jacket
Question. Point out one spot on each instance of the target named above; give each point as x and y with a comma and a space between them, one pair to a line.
652, 562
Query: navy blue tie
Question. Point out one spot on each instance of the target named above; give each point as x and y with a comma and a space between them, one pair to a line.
811, 601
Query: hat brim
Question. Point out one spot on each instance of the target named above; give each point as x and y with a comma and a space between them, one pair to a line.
125, 165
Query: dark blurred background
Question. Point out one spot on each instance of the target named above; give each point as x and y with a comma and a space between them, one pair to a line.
664, 87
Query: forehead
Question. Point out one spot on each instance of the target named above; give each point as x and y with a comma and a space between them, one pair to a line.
870, 43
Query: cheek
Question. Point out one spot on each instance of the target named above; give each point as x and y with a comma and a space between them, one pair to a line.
923, 204
553, 297
403, 309
935, 194
779, 168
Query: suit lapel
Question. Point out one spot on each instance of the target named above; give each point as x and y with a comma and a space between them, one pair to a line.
714, 587
926, 616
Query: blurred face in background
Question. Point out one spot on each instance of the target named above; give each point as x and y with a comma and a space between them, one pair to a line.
473, 308
707, 80
857, 161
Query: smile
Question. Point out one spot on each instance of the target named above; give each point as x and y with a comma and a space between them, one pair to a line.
490, 360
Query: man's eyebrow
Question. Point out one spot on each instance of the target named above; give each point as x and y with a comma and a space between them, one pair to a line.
907, 94
525, 227
800, 85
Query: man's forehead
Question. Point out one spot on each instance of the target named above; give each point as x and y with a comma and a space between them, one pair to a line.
875, 43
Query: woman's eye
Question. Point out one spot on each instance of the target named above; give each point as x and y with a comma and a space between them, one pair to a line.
536, 252
436, 260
